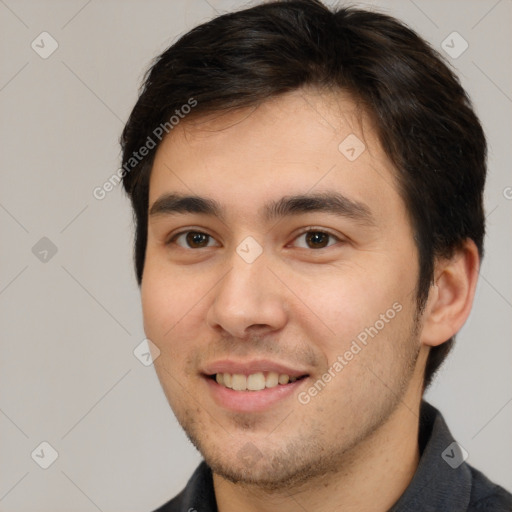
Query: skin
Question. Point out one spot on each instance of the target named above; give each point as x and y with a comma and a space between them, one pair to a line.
297, 304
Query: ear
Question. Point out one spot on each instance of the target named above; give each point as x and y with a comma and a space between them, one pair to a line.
451, 296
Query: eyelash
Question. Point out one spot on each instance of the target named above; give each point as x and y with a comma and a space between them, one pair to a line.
305, 232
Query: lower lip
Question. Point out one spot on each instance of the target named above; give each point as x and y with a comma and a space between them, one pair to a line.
251, 401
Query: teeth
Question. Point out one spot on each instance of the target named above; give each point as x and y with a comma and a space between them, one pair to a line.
254, 382
239, 382
272, 380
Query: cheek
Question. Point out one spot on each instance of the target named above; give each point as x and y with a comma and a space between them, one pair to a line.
171, 323
348, 303
157, 306
169, 306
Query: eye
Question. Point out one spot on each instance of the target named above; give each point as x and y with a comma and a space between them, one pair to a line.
193, 239
314, 239
317, 239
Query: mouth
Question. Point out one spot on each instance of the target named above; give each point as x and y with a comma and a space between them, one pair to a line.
255, 385
258, 381
257, 392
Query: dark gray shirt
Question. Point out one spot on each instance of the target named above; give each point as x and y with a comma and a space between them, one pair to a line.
443, 482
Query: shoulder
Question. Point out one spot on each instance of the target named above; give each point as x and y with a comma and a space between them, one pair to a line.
486, 495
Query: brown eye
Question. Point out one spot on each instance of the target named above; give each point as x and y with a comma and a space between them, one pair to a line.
193, 239
316, 239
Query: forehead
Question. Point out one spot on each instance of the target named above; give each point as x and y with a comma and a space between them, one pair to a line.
301, 142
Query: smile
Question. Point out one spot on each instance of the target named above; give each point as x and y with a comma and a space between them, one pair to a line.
253, 382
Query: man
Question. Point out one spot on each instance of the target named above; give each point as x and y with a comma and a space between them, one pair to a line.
307, 188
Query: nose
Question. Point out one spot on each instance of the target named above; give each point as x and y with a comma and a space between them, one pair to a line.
248, 300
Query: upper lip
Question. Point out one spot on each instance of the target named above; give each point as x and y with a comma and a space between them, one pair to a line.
252, 366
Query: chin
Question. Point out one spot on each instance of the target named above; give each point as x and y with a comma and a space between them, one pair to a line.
270, 471
262, 475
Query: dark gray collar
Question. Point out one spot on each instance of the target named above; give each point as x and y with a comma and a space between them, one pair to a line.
442, 480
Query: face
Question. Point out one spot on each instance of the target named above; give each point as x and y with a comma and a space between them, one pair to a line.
308, 301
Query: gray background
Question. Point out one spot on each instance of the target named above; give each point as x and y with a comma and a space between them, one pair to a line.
70, 323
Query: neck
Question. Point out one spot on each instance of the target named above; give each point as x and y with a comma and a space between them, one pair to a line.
371, 477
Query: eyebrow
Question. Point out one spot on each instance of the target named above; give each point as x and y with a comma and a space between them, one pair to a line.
328, 202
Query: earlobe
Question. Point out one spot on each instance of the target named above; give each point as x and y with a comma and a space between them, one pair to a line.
451, 296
